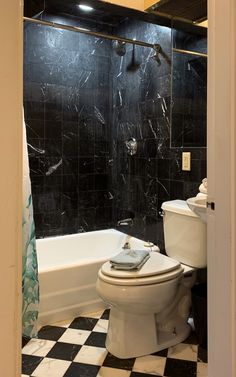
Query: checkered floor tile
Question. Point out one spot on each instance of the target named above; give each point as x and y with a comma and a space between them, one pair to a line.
77, 349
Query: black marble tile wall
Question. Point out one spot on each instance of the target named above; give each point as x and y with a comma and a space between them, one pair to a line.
142, 110
66, 103
190, 41
189, 91
82, 102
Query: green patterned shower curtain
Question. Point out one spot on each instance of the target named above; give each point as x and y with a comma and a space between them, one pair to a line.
30, 284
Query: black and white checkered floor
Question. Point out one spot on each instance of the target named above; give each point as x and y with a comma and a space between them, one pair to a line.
77, 349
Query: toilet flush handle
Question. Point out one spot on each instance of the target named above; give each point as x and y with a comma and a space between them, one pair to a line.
161, 213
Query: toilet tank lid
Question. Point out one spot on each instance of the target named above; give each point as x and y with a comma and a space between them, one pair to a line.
178, 206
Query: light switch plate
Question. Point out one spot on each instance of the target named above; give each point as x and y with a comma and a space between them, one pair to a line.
186, 161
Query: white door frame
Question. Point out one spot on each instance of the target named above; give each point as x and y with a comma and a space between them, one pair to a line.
222, 188
10, 187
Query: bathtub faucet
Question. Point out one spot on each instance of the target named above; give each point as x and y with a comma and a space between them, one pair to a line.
125, 222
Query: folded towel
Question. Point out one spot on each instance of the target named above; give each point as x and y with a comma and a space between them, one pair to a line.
203, 186
200, 195
130, 259
202, 189
130, 268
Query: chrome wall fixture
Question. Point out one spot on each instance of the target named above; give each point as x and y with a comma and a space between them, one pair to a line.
131, 146
119, 47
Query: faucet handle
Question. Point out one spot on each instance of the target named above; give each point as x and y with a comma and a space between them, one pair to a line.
126, 246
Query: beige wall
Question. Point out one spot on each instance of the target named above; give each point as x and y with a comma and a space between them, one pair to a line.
149, 3
10, 187
135, 4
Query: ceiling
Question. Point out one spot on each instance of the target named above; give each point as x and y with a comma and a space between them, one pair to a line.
189, 10
104, 13
99, 14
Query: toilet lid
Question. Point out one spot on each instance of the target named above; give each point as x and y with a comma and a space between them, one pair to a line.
157, 268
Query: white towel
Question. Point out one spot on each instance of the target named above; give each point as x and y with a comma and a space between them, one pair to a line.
203, 186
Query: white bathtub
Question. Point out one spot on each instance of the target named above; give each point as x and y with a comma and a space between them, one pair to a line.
68, 267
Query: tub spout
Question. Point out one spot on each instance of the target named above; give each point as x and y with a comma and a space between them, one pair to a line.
125, 222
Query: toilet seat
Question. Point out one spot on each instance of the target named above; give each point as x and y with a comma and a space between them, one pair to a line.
157, 269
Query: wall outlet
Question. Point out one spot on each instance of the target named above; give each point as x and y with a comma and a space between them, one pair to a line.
186, 161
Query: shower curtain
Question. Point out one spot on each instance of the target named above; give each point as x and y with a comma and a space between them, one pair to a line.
30, 284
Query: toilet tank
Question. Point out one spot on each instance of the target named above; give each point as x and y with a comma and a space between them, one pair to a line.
185, 234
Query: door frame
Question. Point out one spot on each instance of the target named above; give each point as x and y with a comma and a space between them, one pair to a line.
221, 188
11, 84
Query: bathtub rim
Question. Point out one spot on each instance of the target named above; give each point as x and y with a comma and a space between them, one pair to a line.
84, 261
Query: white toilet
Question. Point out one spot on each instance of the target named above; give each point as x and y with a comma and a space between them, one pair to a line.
150, 307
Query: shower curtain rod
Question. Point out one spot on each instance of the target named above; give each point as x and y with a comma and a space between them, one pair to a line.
189, 52
89, 32
106, 36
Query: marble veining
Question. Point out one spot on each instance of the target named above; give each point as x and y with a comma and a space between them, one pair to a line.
82, 104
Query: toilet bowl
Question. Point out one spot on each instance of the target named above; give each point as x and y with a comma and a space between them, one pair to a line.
149, 307
154, 300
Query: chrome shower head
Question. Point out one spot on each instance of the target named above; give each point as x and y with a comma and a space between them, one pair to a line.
134, 65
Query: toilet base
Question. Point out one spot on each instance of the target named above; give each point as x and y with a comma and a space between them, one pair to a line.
131, 335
